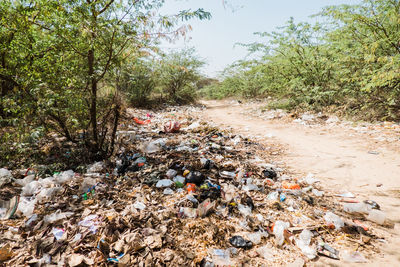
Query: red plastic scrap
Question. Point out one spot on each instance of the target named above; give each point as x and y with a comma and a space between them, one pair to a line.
141, 122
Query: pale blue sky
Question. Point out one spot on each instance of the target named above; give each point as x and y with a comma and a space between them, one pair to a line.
214, 40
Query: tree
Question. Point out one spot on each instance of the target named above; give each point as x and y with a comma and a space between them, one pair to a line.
179, 72
60, 55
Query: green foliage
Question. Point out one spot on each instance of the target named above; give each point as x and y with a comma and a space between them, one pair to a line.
138, 81
178, 74
61, 59
350, 61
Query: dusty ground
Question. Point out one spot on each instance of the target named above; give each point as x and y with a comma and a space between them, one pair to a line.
344, 159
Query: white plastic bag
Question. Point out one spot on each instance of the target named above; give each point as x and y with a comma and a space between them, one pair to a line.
64, 177
31, 189
279, 229
26, 206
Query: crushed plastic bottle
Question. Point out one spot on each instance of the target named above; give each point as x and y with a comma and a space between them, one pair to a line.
376, 216
31, 220
346, 194
192, 199
332, 218
356, 208
327, 251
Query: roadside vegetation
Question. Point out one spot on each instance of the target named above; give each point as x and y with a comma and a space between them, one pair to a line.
349, 62
68, 67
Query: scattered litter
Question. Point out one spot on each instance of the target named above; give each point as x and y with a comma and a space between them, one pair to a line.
180, 192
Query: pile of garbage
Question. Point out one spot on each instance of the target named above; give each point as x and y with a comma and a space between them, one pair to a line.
180, 191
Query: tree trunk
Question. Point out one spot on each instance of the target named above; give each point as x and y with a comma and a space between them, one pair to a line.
93, 110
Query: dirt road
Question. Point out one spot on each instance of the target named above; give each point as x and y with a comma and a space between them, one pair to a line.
341, 161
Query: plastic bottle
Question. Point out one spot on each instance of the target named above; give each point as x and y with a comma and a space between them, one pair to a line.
332, 218
376, 216
356, 207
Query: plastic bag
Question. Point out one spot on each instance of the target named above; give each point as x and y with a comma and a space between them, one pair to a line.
95, 167
5, 177
48, 193
244, 210
92, 222
31, 189
221, 257
58, 233
303, 242
26, 206
172, 127
353, 257
279, 229
154, 146
355, 207
168, 191
26, 180
164, 183
171, 173
57, 216
64, 177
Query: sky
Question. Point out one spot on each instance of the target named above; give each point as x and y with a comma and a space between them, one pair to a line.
215, 39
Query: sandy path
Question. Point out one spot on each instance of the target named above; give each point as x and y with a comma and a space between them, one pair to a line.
340, 160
